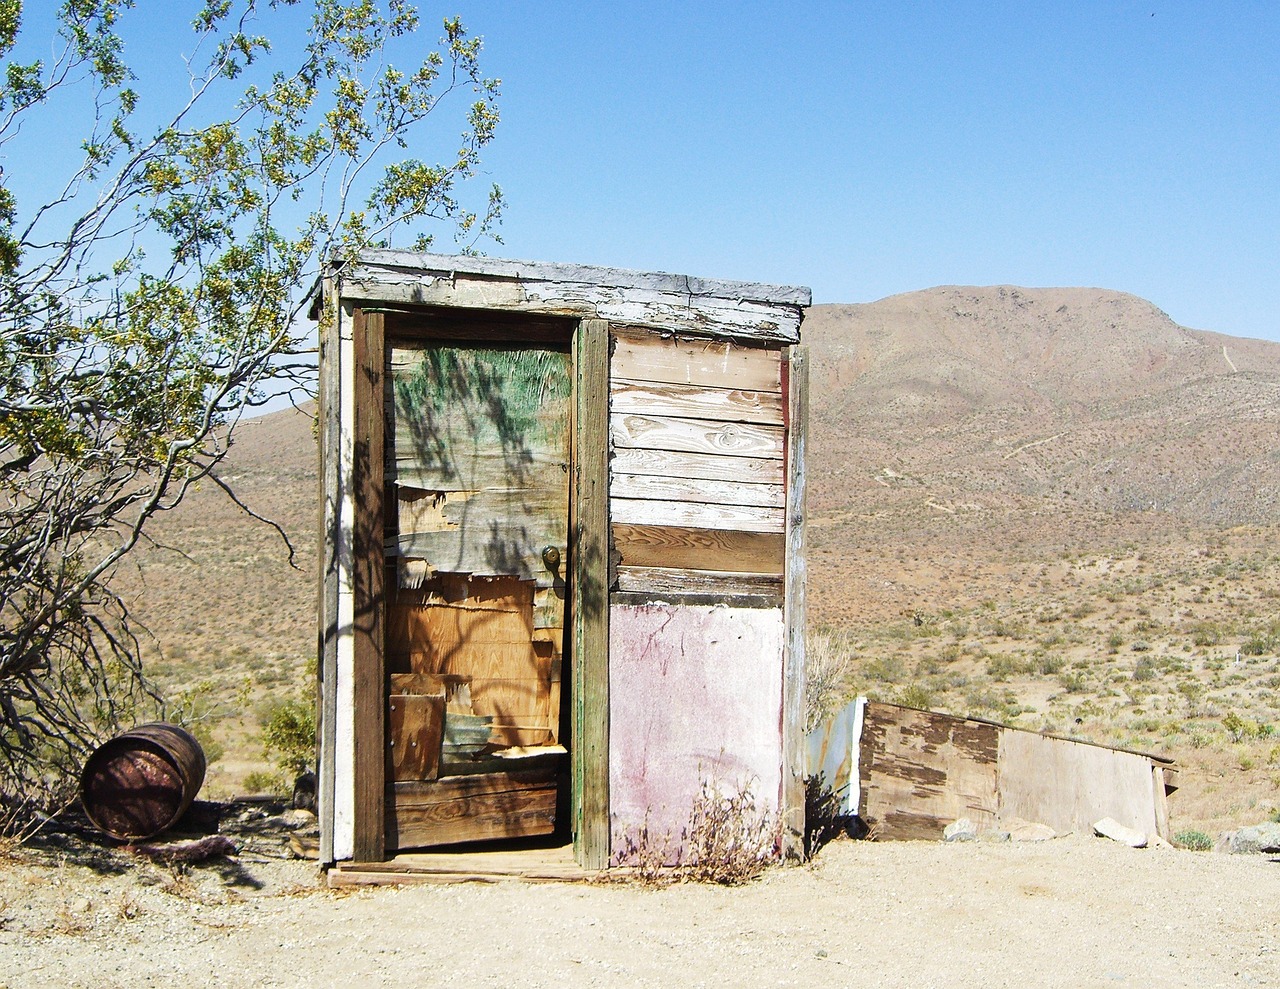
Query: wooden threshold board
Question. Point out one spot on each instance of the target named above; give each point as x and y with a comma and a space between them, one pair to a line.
533, 865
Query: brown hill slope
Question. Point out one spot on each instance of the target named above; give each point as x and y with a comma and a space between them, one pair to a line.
1092, 400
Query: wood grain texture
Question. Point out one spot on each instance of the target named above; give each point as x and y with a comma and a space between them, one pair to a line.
743, 518
708, 549
329, 436
370, 675
710, 315
456, 266
589, 614
645, 355
415, 727
796, 375
727, 439
704, 466
711, 493
728, 403
919, 771
671, 581
470, 808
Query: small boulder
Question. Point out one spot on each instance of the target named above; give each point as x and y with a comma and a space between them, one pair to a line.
994, 836
1253, 840
961, 830
1110, 828
1020, 830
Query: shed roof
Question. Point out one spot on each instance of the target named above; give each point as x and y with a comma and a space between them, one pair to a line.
682, 303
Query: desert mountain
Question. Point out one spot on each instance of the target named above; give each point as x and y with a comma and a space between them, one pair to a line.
988, 399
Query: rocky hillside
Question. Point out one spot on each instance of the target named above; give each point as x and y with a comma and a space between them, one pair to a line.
958, 400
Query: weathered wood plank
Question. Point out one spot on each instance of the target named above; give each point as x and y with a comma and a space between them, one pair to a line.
709, 314
490, 532
725, 404
453, 266
370, 675
796, 374
668, 580
919, 771
589, 611
730, 439
676, 546
450, 813
743, 518
329, 432
658, 488
641, 355
414, 731
704, 466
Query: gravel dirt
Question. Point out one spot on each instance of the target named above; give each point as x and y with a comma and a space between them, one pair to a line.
1071, 912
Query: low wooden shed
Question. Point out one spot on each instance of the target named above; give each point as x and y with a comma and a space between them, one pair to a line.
562, 576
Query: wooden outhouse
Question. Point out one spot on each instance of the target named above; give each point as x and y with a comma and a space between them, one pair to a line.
562, 582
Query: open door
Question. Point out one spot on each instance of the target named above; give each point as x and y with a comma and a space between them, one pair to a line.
477, 472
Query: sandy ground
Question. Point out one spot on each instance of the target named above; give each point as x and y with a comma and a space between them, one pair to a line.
1073, 912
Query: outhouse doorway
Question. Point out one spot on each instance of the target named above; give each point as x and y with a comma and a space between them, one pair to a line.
467, 598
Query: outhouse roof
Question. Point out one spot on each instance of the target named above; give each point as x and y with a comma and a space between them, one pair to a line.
682, 303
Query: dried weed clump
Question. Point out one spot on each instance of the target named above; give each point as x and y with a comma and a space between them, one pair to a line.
729, 840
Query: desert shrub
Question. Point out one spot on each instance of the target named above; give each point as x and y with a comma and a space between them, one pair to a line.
1049, 664
1146, 669
887, 669
827, 664
729, 840
1072, 683
915, 695
260, 781
1193, 841
289, 735
1002, 667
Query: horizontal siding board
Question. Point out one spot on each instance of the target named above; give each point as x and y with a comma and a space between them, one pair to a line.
742, 518
682, 547
670, 580
640, 355
730, 439
705, 466
660, 488
694, 401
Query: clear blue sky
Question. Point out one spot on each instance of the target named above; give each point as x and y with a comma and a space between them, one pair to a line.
865, 149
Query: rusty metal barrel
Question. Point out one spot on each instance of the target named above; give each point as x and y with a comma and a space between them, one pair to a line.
142, 781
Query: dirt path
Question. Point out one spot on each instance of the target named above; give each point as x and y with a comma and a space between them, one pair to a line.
1074, 912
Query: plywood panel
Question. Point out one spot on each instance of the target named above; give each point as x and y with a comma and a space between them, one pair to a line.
711, 467
1070, 785
642, 355
415, 728
920, 771
729, 439
695, 696
695, 490
678, 546
729, 403
743, 518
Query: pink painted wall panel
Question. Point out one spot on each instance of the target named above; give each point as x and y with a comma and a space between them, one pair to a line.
695, 693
